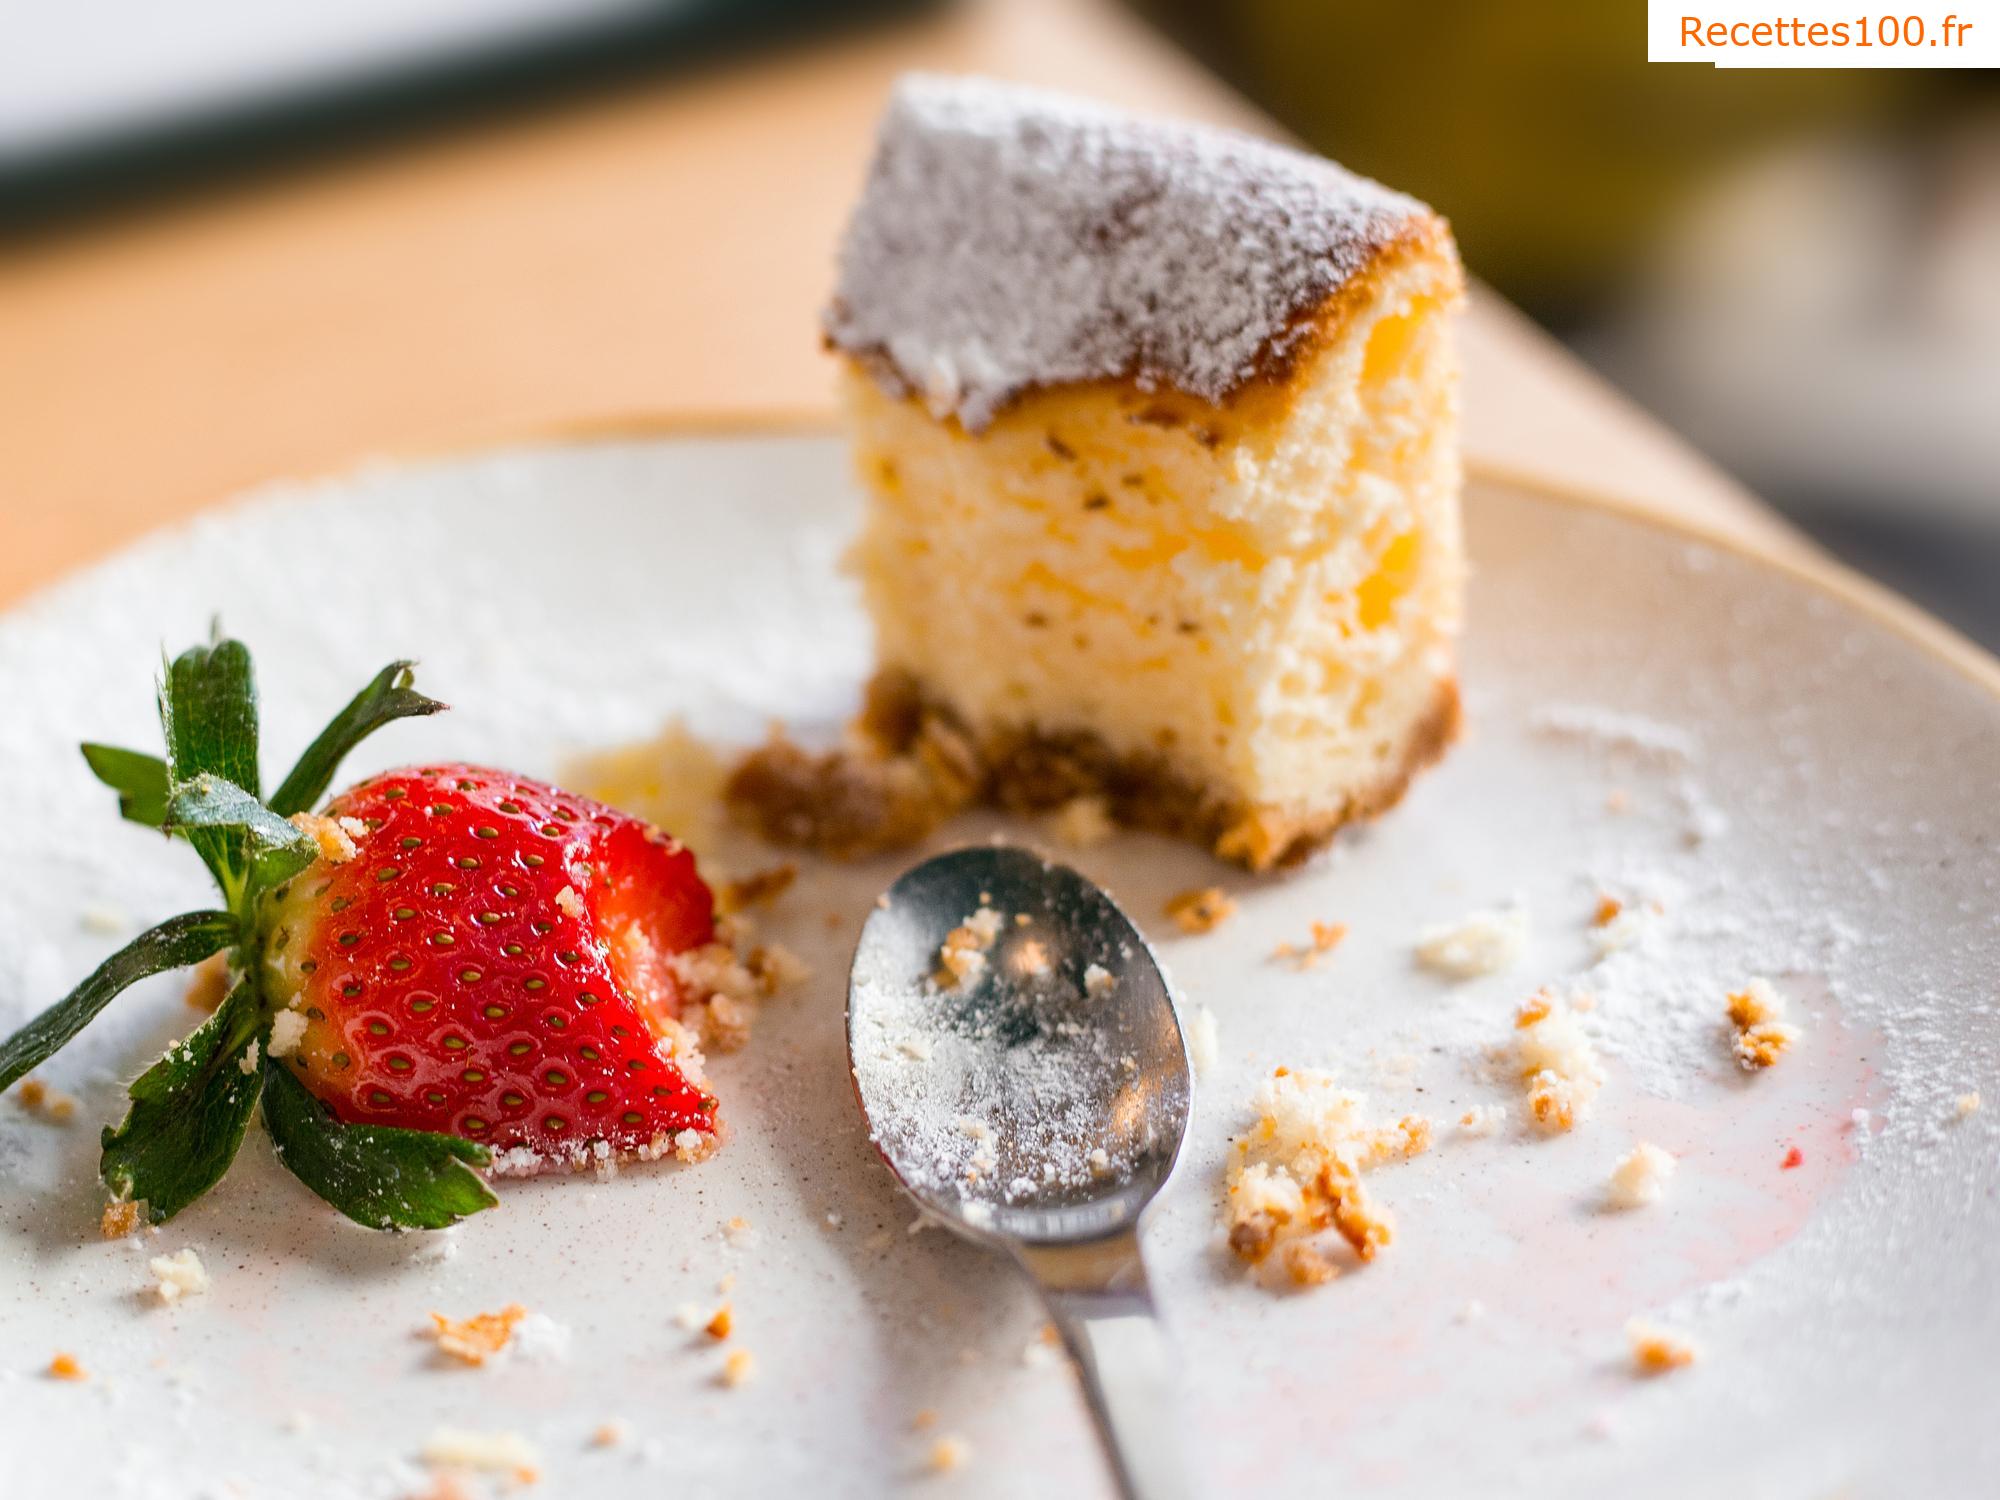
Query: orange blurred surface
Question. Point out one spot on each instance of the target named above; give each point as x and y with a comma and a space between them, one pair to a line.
657, 254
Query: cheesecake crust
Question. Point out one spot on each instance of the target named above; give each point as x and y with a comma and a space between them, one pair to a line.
910, 764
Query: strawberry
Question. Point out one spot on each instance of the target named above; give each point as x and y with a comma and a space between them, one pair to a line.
448, 962
492, 962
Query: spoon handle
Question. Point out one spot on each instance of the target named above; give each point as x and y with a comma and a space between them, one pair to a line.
1100, 1302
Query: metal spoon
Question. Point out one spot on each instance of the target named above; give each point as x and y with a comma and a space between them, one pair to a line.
1036, 1106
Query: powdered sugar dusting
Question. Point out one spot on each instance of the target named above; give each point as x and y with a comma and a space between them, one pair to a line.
1009, 238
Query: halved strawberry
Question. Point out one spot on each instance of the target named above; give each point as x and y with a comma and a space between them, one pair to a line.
447, 961
493, 961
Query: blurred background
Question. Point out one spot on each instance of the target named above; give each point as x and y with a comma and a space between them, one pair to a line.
1799, 272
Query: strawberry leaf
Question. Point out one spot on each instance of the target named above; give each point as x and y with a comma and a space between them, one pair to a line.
139, 779
208, 708
377, 1175
189, 1111
173, 944
388, 698
270, 847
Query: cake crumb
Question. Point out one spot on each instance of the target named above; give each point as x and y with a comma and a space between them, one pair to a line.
332, 836
1298, 1169
1098, 980
121, 1218
66, 1366
1485, 942
740, 1233
505, 1453
1083, 822
1656, 1350
1203, 910
759, 889
1202, 1042
1030, 959
1306, 1264
1762, 1034
739, 1369
288, 1029
1557, 1062
476, 1339
924, 1418
615, 1433
178, 1275
1326, 936
1483, 1120
718, 1326
37, 1098
1640, 1176
570, 904
962, 958
948, 1453
1966, 1105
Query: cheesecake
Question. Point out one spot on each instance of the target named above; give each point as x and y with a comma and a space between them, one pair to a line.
1157, 428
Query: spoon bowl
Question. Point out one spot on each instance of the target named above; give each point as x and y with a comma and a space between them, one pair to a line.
1041, 1100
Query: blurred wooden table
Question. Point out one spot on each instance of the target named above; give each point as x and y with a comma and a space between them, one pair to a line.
658, 253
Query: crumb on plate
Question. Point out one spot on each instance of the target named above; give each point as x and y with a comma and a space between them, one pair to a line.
506, 1453
1656, 1350
1640, 1176
1557, 1061
1483, 1119
66, 1366
476, 1339
948, 1453
1202, 910
1202, 1040
121, 1218
1757, 1016
1297, 1171
1484, 942
1326, 936
759, 888
739, 1369
178, 1275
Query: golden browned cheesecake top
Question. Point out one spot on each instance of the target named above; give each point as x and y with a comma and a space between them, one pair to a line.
1009, 238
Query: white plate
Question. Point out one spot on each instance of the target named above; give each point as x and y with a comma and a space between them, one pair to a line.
1809, 794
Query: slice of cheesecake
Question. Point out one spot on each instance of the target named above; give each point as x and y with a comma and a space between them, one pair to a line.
1158, 426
